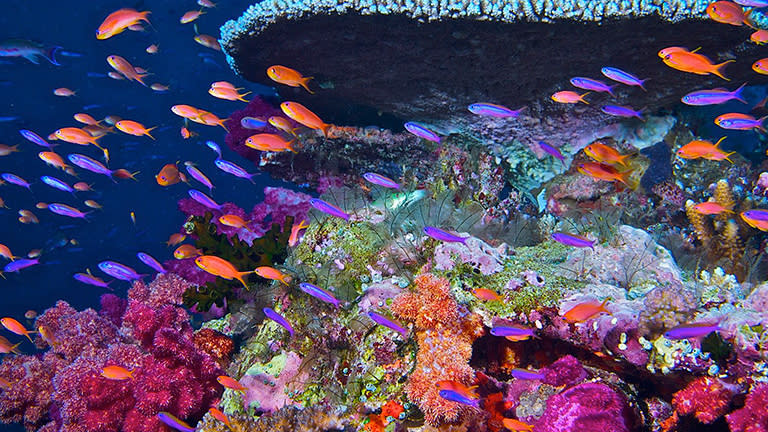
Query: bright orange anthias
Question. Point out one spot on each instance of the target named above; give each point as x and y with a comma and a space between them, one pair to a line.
585, 310
288, 76
301, 114
603, 153
221, 268
701, 149
601, 171
118, 21
691, 62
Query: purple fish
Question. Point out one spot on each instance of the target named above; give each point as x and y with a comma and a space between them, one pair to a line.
89, 164
20, 264
552, 151
57, 184
713, 97
688, 331
742, 122
526, 374
454, 396
619, 75
386, 322
213, 146
119, 271
493, 110
35, 138
752, 3
14, 179
151, 261
329, 208
622, 111
319, 293
276, 317
438, 234
756, 214
513, 331
172, 421
592, 84
90, 279
421, 131
234, 169
573, 240
252, 122
204, 199
380, 180
198, 175
65, 210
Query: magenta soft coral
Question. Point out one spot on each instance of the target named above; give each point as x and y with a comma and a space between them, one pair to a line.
707, 398
753, 417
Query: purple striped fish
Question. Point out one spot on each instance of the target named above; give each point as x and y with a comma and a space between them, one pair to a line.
329, 208
35, 138
380, 180
172, 421
89, 164
234, 169
65, 210
198, 175
573, 240
319, 293
386, 322
151, 261
622, 111
276, 317
119, 271
90, 279
213, 146
421, 131
552, 151
713, 97
688, 331
57, 184
526, 374
592, 84
493, 110
438, 234
623, 77
204, 199
20, 264
14, 179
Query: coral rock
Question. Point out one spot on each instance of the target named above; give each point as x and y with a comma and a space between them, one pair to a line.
587, 407
754, 416
707, 398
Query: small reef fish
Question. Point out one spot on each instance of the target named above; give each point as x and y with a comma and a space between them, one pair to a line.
703, 149
5, 150
65, 210
190, 16
86, 119
293, 239
7, 348
329, 208
5, 252
710, 208
526, 374
82, 187
175, 239
272, 273
160, 88
198, 175
19, 264
319, 293
584, 311
152, 49
16, 327
513, 333
752, 3
122, 66
727, 12
438, 234
282, 123
218, 415
186, 111
493, 110
64, 92
134, 128
27, 217
623, 77
230, 383
210, 119
118, 21
206, 3
119, 271
386, 322
301, 114
186, 251
486, 294
592, 85
53, 159
453, 385
30, 50
622, 111
288, 76
713, 97
77, 136
761, 66
16, 180
89, 279
601, 171
186, 133
252, 123
276, 317
221, 268
204, 199
57, 184
606, 154
757, 218
381, 180
573, 240
739, 121
227, 94
421, 131
269, 142
170, 175
151, 261
234, 221
89, 164
116, 373
35, 138
454, 396
759, 37
569, 97
172, 421
695, 63
552, 151
234, 169
208, 41
688, 331
515, 425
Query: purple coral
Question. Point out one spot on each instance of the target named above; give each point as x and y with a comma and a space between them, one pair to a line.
588, 406
753, 417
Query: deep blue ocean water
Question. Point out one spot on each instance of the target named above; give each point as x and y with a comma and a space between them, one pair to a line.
27, 92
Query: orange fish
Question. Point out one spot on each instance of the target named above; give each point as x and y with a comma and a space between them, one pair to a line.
186, 133
46, 335
695, 63
759, 37
86, 119
53, 159
516, 425
756, 218
76, 136
190, 16
486, 294
603, 153
126, 69
601, 171
220, 416
186, 251
288, 76
703, 149
41, 205
227, 94
5, 150
234, 221
64, 92
175, 239
92, 204
282, 124
293, 240
7, 348
710, 208
584, 311
133, 128
300, 114
118, 21
225, 84
152, 49
117, 373
666, 51
16, 327
272, 273
170, 175
230, 383
186, 111
123, 173
208, 41
452, 385
727, 13
82, 186
569, 97
5, 252
221, 267
269, 142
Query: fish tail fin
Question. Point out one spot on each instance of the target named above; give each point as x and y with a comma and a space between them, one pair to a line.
241, 97
14, 349
286, 279
717, 144
760, 121
140, 78
727, 157
289, 146
221, 123
304, 83
50, 55
642, 84
26, 333
719, 69
624, 178
324, 128
147, 132
143, 16
581, 98
239, 276
737, 94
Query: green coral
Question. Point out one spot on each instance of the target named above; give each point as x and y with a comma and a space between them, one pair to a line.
264, 251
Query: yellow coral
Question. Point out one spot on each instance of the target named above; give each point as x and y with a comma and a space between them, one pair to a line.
700, 226
724, 197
